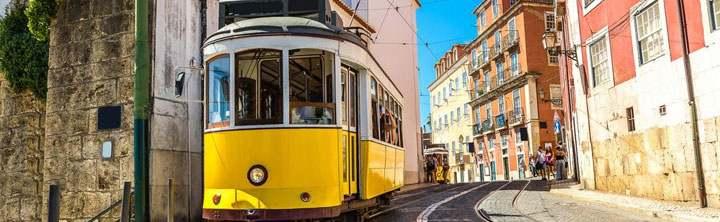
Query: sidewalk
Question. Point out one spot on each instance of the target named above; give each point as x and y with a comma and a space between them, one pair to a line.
667, 210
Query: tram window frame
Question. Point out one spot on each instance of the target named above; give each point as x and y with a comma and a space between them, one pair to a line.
326, 116
352, 77
344, 95
253, 76
374, 106
226, 119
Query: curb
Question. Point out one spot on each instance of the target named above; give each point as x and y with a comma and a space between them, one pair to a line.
656, 213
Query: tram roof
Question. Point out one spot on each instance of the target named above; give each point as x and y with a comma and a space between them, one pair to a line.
283, 25
288, 25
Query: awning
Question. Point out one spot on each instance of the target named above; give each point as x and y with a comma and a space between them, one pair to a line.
432, 151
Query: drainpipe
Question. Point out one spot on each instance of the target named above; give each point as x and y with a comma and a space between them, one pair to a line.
693, 106
141, 110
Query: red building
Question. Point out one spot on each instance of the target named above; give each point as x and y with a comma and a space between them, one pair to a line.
626, 112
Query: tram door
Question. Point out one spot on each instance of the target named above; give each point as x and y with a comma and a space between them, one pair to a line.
350, 136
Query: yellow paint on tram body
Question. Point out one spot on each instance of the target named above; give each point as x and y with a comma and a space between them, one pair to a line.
297, 160
384, 168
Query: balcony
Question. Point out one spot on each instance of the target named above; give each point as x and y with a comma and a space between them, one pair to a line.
500, 121
468, 158
487, 126
550, 2
496, 52
477, 129
510, 40
485, 60
515, 117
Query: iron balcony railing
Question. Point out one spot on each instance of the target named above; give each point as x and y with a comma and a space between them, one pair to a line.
500, 121
496, 51
513, 2
477, 129
510, 39
515, 117
487, 126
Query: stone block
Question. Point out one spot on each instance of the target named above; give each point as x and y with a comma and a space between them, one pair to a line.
709, 156
94, 202
29, 209
116, 23
104, 92
689, 186
709, 132
82, 176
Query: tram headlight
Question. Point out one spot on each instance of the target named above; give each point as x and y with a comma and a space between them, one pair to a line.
257, 175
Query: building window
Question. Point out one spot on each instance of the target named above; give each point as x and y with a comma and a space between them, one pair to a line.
477, 87
457, 84
446, 121
482, 19
467, 109
491, 144
495, 8
477, 116
501, 104
500, 66
452, 116
630, 119
512, 29
714, 6
504, 140
486, 81
311, 91
464, 80
600, 69
552, 59
458, 113
488, 110
485, 52
516, 101
549, 21
649, 35
498, 42
514, 66
259, 88
218, 107
473, 58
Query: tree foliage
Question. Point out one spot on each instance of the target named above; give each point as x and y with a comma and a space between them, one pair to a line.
23, 58
39, 13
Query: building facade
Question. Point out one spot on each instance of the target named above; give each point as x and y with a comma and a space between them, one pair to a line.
450, 113
514, 81
634, 122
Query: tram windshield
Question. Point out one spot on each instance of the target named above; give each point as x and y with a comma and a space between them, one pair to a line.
311, 87
219, 92
258, 92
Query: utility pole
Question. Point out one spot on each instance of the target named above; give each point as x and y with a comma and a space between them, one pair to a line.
693, 106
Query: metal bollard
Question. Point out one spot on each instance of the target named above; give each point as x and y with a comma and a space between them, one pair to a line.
54, 203
125, 211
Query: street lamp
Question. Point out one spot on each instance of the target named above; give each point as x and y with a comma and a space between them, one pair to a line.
550, 43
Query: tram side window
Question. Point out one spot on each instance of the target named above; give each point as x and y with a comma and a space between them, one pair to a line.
219, 93
258, 87
311, 87
344, 96
349, 96
374, 118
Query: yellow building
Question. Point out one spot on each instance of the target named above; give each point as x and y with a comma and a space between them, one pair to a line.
450, 114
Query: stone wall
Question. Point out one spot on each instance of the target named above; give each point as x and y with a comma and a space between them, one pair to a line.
21, 154
91, 65
659, 163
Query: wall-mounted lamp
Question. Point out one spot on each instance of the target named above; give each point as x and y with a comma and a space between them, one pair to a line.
106, 150
550, 43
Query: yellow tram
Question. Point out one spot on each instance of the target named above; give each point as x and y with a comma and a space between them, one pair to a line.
301, 123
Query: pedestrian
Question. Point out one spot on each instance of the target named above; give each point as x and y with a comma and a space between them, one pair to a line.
430, 169
446, 168
549, 163
532, 165
540, 162
559, 163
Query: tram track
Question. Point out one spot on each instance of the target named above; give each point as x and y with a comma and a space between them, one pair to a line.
435, 192
521, 186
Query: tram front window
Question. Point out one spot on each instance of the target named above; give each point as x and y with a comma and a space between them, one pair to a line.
311, 87
219, 93
258, 94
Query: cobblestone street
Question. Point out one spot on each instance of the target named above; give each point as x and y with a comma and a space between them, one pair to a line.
498, 201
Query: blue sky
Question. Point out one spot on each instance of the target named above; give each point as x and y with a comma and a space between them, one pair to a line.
441, 24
